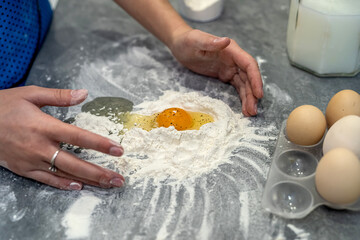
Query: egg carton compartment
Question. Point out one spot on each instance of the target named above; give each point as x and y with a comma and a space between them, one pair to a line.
290, 190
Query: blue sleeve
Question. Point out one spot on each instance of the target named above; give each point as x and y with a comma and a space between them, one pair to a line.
23, 27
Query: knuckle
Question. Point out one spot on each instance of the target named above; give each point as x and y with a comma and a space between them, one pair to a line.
76, 137
51, 181
55, 182
104, 180
94, 141
60, 96
102, 144
32, 88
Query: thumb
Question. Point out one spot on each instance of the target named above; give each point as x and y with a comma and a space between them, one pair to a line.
58, 97
220, 43
208, 42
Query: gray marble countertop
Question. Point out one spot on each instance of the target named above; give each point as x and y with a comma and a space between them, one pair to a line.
95, 45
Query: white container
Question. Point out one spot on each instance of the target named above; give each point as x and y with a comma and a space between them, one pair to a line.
201, 10
323, 36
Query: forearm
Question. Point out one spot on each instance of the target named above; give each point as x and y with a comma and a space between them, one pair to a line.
157, 16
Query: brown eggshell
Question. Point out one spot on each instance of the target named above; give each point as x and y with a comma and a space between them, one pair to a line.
305, 125
337, 177
343, 103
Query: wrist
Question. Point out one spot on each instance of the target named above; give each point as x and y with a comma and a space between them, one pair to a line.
178, 31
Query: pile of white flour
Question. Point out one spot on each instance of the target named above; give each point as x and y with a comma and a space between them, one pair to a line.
165, 153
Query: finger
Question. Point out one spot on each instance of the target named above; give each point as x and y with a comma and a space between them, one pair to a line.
54, 181
255, 81
251, 101
207, 42
63, 132
248, 64
244, 102
45, 166
240, 88
227, 73
78, 179
68, 163
56, 97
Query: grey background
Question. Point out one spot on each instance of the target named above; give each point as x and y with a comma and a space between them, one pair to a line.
98, 33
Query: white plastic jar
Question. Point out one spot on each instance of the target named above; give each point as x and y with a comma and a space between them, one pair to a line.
201, 10
323, 36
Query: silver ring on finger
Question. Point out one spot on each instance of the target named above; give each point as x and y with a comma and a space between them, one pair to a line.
53, 168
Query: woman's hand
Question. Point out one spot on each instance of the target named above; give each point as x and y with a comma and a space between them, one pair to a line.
221, 58
29, 138
199, 51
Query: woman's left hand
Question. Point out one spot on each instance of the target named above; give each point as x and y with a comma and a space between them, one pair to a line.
221, 58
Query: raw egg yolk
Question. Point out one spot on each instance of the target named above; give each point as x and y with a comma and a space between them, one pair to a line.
179, 118
176, 117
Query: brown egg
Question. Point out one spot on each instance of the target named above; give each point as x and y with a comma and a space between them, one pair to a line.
305, 125
343, 103
337, 177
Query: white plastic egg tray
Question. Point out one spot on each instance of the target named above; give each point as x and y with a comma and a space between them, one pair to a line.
290, 190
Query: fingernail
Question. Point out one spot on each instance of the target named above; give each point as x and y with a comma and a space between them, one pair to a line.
75, 186
255, 108
115, 143
219, 39
117, 182
79, 93
116, 151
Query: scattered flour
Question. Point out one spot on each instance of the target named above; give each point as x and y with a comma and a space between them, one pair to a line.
165, 153
300, 233
9, 208
233, 170
77, 218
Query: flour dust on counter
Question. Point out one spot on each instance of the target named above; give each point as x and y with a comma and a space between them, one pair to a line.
78, 217
9, 205
186, 167
166, 154
192, 184
282, 229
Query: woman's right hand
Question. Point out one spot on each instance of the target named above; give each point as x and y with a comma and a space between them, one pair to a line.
29, 138
221, 58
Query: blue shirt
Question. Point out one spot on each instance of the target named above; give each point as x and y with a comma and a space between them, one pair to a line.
23, 27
